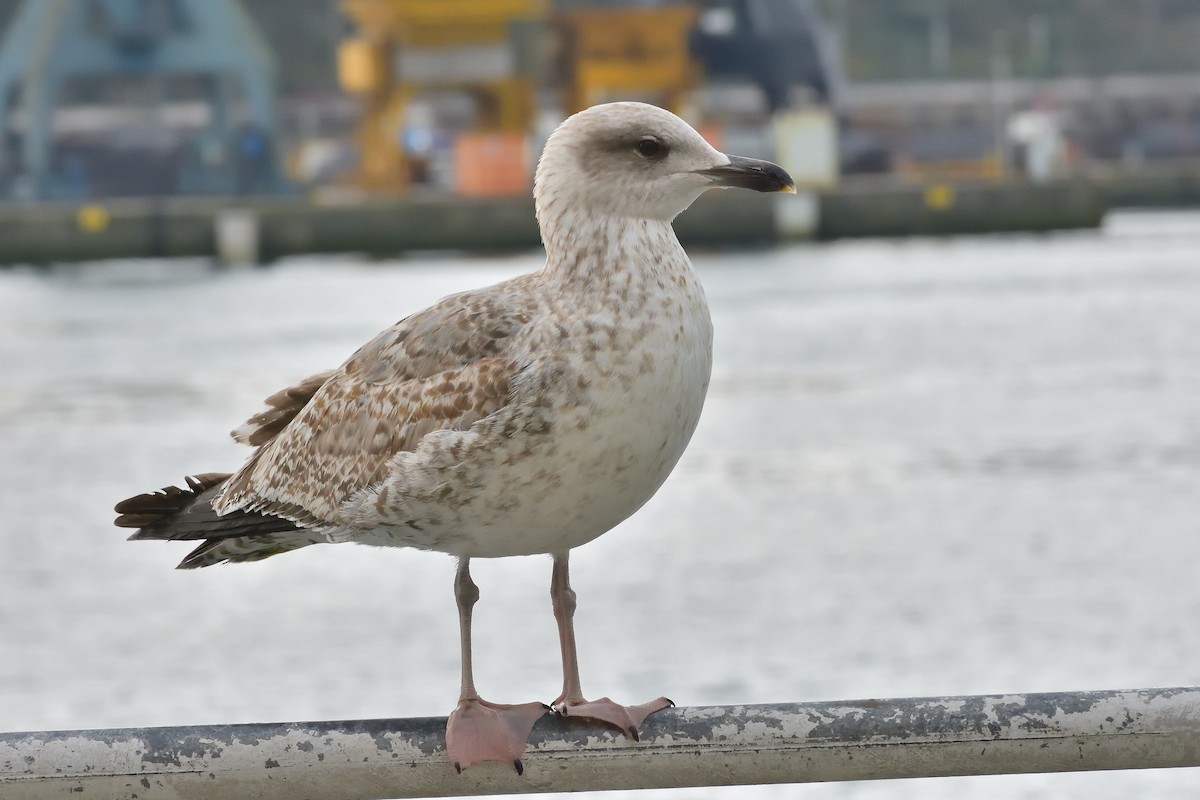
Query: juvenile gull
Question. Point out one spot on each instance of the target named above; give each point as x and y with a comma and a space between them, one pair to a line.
527, 417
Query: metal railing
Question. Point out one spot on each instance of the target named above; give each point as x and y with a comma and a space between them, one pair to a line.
682, 747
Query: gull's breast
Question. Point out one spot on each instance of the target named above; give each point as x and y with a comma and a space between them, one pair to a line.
628, 394
644, 400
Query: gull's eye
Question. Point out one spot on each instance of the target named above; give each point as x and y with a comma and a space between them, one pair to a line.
651, 148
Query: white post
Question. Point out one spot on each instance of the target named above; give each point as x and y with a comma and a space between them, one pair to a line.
716, 746
236, 232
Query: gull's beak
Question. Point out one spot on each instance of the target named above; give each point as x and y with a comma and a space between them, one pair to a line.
750, 173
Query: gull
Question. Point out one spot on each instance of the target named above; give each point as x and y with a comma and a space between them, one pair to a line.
525, 418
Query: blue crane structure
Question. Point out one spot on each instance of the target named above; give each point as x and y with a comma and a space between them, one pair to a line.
781, 45
52, 42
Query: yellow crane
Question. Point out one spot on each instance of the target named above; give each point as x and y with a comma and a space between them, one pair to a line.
405, 47
622, 52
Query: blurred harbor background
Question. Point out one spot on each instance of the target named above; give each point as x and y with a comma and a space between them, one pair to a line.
126, 126
930, 463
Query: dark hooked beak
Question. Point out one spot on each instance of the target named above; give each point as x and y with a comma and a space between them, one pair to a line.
750, 173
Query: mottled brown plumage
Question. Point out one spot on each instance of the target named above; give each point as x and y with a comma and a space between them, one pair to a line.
283, 406
445, 368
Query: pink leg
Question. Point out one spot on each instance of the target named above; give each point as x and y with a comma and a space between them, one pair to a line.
571, 702
478, 730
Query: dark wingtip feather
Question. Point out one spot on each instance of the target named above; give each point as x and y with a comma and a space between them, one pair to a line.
146, 510
136, 520
196, 559
173, 513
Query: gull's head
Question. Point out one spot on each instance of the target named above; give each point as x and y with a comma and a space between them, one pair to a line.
637, 160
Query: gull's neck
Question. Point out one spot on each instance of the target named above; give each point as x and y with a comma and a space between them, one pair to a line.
591, 249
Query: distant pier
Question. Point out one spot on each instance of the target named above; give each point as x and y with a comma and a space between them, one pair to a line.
271, 228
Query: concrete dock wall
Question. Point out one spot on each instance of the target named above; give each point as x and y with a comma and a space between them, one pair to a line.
940, 209
1162, 187
173, 227
170, 228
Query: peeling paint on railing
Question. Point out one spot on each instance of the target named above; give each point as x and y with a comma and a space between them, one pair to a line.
708, 746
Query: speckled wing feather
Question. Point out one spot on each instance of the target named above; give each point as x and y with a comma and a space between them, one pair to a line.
443, 368
282, 408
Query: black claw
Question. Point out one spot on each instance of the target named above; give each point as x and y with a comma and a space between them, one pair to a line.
670, 701
520, 767
633, 734
458, 768
548, 708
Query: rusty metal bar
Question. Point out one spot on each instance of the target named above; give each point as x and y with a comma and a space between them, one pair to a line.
714, 746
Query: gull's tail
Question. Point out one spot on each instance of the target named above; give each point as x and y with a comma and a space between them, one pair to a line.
173, 513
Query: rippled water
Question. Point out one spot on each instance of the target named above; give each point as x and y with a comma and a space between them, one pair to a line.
925, 467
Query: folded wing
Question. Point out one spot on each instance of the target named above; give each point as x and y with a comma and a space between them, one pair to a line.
333, 435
